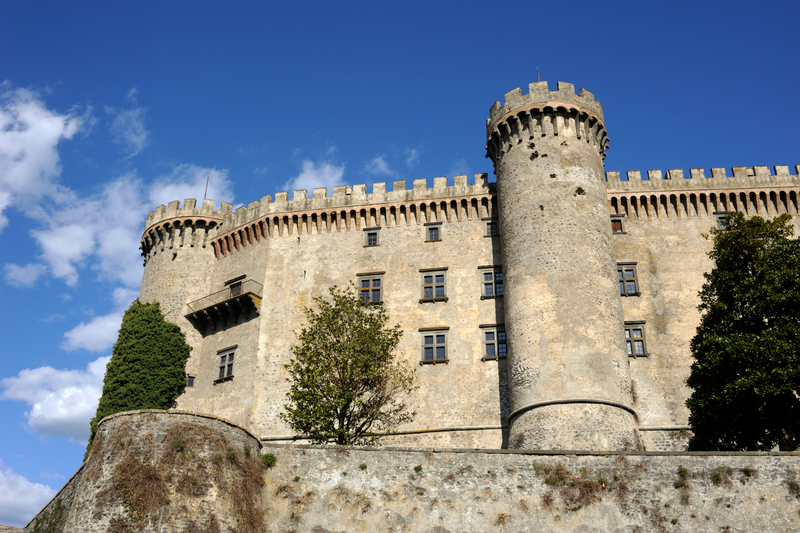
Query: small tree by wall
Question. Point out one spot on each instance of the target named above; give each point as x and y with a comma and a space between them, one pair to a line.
148, 364
746, 373
346, 382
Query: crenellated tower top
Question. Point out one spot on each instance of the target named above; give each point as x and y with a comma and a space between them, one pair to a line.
542, 113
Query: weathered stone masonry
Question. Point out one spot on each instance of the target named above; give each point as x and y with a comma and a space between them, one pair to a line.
572, 383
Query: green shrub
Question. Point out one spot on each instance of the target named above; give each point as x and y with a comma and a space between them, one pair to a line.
269, 460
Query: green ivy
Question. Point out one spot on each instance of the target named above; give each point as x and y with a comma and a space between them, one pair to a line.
148, 364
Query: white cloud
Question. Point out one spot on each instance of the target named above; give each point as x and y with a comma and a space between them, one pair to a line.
189, 181
378, 166
97, 335
316, 175
412, 157
62, 401
29, 136
23, 276
20, 499
127, 129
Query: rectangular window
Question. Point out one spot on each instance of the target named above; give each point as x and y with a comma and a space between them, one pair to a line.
433, 231
628, 281
371, 236
491, 228
190, 381
491, 282
371, 287
634, 339
433, 284
225, 359
434, 345
494, 343
617, 225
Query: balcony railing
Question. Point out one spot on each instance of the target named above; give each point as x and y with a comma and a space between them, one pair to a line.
242, 299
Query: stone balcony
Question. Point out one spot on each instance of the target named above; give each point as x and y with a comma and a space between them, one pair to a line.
238, 301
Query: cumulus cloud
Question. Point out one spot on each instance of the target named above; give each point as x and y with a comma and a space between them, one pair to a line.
412, 157
189, 181
97, 335
315, 175
378, 166
20, 499
23, 276
62, 402
29, 137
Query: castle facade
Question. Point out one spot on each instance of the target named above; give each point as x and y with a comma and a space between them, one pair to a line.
552, 309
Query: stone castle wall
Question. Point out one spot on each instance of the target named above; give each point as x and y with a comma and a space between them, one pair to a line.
198, 474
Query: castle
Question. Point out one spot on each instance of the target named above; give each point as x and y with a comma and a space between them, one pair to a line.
550, 310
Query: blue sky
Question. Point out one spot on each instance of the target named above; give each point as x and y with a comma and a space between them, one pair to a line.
109, 109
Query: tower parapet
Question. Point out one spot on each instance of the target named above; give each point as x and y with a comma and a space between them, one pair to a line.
569, 381
543, 113
172, 226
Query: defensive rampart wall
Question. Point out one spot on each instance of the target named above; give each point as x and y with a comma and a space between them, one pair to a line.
340, 489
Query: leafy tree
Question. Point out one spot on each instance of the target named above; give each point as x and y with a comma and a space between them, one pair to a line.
746, 372
346, 383
148, 364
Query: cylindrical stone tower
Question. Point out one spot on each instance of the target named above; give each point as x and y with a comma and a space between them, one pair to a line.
569, 380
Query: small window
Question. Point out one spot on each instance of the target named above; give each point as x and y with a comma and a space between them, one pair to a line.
371, 288
491, 282
720, 216
371, 237
634, 339
433, 232
491, 228
494, 344
190, 381
628, 280
434, 346
225, 361
433, 285
617, 224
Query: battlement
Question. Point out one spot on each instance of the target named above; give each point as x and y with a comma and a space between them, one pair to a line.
345, 196
189, 211
539, 95
676, 179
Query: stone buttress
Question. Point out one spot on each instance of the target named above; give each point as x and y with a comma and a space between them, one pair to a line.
569, 377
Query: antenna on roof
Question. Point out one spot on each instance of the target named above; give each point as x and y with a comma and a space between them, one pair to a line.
206, 193
537, 74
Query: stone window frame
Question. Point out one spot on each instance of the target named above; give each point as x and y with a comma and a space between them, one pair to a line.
429, 228
719, 217
433, 273
369, 233
434, 333
225, 363
631, 339
622, 270
620, 223
496, 331
492, 228
371, 277
495, 271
